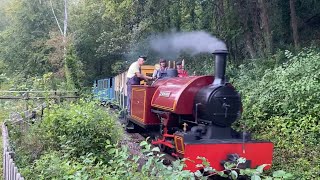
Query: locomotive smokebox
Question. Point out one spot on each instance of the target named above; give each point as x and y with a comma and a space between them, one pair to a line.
219, 103
220, 67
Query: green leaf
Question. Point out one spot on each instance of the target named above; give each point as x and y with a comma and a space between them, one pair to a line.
247, 171
279, 173
234, 174
288, 176
241, 160
149, 154
242, 172
255, 177
111, 151
209, 169
198, 174
155, 149
261, 167
221, 173
143, 143
108, 141
229, 165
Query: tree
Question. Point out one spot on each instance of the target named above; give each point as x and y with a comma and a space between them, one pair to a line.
23, 45
265, 25
294, 23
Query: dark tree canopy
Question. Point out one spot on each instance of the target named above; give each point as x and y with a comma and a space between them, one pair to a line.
108, 32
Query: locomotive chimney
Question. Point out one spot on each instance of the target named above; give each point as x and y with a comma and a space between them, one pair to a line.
220, 67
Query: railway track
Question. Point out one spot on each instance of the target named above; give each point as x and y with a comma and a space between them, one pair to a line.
133, 140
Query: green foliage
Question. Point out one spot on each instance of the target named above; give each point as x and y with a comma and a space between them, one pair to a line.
46, 82
56, 166
29, 45
74, 129
200, 65
232, 171
282, 104
75, 74
81, 128
107, 32
23, 40
79, 141
153, 167
118, 67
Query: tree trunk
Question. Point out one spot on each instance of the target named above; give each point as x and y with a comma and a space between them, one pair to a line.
249, 45
192, 14
265, 25
256, 35
243, 14
178, 21
65, 25
294, 24
218, 16
55, 17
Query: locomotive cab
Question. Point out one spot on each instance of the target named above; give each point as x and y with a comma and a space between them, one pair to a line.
170, 73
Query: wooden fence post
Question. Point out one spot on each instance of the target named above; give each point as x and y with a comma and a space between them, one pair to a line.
26, 99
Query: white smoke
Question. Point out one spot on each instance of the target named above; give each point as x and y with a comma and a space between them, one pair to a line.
193, 43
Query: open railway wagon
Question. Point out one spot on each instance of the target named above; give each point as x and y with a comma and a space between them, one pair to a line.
192, 116
103, 89
113, 90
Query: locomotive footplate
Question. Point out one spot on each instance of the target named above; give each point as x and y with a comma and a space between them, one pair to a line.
217, 150
150, 127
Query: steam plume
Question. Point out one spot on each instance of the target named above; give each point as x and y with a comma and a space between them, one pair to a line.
172, 44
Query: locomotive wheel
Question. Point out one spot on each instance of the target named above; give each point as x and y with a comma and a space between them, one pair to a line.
162, 147
130, 127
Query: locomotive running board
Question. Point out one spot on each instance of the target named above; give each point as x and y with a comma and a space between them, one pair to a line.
144, 126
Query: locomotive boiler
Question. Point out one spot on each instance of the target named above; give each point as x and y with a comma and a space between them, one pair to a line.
192, 116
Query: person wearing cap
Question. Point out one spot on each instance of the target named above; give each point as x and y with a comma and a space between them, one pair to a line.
134, 76
181, 71
162, 70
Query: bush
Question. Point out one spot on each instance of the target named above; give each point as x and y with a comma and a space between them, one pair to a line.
53, 165
80, 128
282, 105
74, 129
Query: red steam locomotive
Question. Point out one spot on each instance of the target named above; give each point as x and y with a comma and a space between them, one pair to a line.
192, 116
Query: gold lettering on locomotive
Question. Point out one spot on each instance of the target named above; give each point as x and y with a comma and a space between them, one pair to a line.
164, 94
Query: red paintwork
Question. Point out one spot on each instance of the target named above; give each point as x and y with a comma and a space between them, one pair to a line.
163, 141
160, 82
182, 73
180, 100
140, 105
179, 93
258, 152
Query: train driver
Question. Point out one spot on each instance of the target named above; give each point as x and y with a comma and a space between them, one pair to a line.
134, 77
181, 71
161, 71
